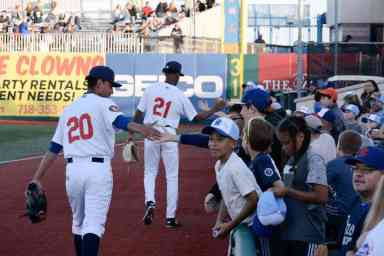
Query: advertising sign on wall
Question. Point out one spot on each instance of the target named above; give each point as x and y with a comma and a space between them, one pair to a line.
42, 84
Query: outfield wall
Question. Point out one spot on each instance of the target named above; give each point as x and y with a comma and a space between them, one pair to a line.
42, 84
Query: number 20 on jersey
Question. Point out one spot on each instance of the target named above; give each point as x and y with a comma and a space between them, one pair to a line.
80, 128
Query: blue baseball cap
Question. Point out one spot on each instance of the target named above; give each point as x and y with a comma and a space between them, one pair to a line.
173, 67
225, 127
370, 156
327, 115
105, 73
260, 99
271, 210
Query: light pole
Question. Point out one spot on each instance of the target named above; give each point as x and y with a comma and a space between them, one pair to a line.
300, 46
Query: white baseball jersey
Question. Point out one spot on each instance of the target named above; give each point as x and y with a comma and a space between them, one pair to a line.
85, 127
163, 105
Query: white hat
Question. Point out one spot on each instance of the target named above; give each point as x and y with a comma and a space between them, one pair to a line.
270, 209
313, 122
352, 108
225, 127
374, 118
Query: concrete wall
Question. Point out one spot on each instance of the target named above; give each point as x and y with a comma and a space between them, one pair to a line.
355, 11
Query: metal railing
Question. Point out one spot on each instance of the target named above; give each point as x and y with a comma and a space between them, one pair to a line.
71, 42
103, 43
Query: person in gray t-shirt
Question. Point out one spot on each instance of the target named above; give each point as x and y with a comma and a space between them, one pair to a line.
305, 194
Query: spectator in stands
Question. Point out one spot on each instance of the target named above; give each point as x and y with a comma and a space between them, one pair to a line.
200, 6
321, 142
372, 239
117, 14
328, 99
305, 193
147, 10
29, 10
259, 39
339, 176
368, 169
371, 89
130, 12
24, 26
184, 12
210, 3
38, 12
169, 19
161, 8
17, 15
177, 35
351, 115
4, 22
54, 13
172, 7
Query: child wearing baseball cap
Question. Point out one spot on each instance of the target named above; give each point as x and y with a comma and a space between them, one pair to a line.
351, 114
236, 181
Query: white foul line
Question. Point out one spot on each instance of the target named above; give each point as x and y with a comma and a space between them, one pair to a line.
39, 156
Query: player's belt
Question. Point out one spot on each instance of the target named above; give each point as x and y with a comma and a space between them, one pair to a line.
93, 159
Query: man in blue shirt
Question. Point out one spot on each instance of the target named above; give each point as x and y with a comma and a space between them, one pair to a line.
339, 176
368, 167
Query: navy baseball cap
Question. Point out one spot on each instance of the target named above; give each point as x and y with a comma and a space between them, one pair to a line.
173, 67
260, 99
370, 156
105, 73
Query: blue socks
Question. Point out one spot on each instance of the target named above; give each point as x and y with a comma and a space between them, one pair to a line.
78, 241
90, 245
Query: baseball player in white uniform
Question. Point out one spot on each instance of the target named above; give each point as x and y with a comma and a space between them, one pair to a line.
86, 133
163, 104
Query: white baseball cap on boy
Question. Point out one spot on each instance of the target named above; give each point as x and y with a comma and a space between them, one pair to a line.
271, 210
225, 127
352, 108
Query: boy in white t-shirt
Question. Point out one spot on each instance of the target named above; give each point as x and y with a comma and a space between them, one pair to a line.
235, 180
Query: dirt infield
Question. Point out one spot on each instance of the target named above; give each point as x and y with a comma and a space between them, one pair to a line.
125, 233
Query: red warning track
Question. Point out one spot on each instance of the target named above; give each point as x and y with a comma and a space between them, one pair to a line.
125, 233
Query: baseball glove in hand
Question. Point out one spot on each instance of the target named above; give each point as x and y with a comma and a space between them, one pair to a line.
130, 153
36, 202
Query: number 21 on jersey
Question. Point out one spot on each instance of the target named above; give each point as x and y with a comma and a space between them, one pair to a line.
80, 128
161, 107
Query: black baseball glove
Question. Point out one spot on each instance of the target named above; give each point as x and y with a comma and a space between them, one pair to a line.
36, 203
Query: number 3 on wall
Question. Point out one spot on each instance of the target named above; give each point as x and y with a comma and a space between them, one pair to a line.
83, 125
161, 108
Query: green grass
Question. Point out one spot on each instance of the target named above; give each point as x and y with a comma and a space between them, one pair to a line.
18, 141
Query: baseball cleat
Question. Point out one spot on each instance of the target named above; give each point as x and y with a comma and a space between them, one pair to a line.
172, 223
149, 212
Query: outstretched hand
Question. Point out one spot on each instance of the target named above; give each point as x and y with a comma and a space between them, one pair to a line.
220, 103
168, 137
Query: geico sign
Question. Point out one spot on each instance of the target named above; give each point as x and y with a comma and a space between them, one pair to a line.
135, 85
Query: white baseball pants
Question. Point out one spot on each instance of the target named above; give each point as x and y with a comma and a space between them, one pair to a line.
169, 152
89, 188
